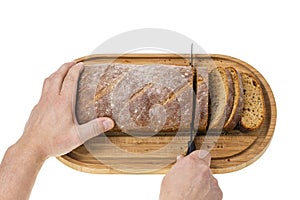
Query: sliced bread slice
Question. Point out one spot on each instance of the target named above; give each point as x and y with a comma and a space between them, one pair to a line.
221, 98
235, 114
254, 107
201, 116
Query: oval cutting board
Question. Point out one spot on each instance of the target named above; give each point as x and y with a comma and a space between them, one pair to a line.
230, 152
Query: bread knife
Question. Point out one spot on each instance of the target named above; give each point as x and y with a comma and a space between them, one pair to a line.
193, 132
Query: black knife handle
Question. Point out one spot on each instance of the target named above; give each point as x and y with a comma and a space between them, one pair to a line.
191, 147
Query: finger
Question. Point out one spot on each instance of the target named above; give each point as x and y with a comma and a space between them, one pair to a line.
54, 82
203, 155
214, 195
63, 70
94, 128
69, 85
201, 182
215, 192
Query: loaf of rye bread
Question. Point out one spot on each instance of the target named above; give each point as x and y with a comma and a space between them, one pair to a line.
158, 98
141, 98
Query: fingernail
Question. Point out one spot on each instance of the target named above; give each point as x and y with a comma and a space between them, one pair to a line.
202, 154
178, 157
108, 124
79, 64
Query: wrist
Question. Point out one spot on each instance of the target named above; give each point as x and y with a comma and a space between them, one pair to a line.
29, 151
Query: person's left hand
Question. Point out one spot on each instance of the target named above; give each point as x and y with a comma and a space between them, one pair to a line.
52, 128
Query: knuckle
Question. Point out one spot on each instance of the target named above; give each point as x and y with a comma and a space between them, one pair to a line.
47, 82
219, 194
216, 189
214, 182
204, 170
56, 75
66, 64
192, 159
163, 180
52, 77
48, 79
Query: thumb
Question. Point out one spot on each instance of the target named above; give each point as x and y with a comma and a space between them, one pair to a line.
205, 156
95, 127
202, 155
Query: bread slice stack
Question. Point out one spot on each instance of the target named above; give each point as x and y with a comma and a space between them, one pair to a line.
236, 101
221, 98
238, 97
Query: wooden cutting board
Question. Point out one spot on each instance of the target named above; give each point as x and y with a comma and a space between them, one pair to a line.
114, 153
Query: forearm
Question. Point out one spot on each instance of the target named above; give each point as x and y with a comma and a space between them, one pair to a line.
18, 171
51, 130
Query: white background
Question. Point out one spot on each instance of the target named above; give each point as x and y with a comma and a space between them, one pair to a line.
36, 37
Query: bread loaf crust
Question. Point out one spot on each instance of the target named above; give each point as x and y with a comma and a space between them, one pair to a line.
140, 98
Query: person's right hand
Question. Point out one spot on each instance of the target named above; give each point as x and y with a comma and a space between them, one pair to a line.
191, 178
